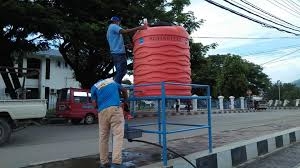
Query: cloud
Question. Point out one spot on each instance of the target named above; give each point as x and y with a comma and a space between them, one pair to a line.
286, 71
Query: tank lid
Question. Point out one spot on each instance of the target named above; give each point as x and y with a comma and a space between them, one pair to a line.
161, 23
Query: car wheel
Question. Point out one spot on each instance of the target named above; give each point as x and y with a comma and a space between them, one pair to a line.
5, 131
89, 119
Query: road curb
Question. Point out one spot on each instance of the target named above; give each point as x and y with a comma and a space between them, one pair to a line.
235, 154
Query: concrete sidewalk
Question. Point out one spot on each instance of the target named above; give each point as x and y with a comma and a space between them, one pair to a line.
147, 154
284, 158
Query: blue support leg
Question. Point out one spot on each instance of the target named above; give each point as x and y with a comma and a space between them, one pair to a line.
159, 121
132, 108
209, 120
164, 127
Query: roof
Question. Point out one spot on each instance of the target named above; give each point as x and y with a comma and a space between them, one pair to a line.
51, 52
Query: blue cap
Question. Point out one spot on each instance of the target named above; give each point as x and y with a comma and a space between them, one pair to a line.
115, 19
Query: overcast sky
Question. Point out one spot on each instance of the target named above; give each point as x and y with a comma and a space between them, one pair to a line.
220, 23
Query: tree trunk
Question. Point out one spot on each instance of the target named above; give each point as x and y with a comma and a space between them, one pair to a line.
8, 84
6, 61
14, 75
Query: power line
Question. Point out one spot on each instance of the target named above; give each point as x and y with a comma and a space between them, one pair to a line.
271, 61
270, 51
280, 57
283, 8
287, 59
249, 18
291, 7
287, 6
246, 38
296, 5
261, 16
268, 13
249, 8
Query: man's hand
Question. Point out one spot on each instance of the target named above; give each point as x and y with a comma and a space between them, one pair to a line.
125, 31
143, 27
95, 102
124, 93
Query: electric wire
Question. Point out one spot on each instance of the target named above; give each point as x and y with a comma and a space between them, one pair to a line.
291, 7
154, 144
287, 59
249, 18
270, 61
283, 8
296, 5
251, 9
271, 51
287, 6
261, 16
268, 13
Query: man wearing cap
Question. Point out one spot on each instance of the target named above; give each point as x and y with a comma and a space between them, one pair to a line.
115, 40
105, 93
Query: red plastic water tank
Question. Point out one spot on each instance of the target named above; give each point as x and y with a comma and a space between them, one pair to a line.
162, 54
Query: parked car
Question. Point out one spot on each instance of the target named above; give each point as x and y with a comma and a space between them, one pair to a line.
18, 113
257, 103
76, 105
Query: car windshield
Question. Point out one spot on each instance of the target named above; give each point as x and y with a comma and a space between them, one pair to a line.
80, 96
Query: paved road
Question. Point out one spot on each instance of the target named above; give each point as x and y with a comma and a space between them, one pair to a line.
55, 142
285, 158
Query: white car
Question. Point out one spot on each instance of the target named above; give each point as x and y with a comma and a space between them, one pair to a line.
17, 113
181, 106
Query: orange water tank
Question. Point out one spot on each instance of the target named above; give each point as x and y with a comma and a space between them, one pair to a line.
162, 53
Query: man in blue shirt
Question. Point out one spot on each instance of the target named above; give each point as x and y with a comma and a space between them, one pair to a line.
106, 94
115, 40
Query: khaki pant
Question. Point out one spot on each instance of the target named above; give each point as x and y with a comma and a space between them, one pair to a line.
111, 118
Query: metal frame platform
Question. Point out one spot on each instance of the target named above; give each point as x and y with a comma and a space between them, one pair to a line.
162, 123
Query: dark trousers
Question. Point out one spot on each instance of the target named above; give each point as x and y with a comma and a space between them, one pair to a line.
120, 63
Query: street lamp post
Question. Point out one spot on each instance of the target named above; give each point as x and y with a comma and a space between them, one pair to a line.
249, 92
279, 83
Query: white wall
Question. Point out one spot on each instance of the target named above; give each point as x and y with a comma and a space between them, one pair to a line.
60, 77
3, 96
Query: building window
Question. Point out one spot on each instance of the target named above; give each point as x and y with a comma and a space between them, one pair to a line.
32, 93
66, 65
47, 68
58, 63
34, 66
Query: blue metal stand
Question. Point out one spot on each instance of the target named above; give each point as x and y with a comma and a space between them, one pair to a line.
162, 123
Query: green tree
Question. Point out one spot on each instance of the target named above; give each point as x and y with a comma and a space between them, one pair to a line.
78, 29
288, 91
21, 23
229, 75
83, 31
202, 73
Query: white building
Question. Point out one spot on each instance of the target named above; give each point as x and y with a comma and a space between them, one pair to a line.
54, 74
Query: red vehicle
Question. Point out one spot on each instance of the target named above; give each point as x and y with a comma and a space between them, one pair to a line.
76, 104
